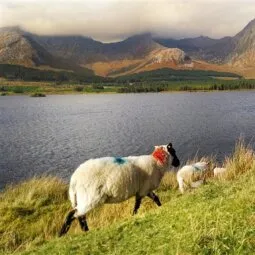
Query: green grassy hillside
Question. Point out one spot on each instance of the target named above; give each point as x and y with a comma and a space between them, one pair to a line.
217, 218
168, 74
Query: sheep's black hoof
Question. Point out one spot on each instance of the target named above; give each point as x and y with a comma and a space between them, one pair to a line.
67, 224
63, 231
155, 198
65, 228
83, 223
138, 201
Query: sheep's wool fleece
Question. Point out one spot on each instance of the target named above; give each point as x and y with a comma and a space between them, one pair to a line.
112, 180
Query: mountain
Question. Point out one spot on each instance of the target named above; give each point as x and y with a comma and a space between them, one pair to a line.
135, 54
21, 48
86, 50
74, 52
155, 58
237, 51
202, 48
16, 48
73, 48
243, 54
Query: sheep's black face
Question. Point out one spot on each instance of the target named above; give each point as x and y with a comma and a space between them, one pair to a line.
171, 150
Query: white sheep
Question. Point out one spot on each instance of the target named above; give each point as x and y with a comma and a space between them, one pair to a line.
187, 174
219, 171
113, 180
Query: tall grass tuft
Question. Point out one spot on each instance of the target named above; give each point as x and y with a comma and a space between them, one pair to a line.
31, 212
242, 160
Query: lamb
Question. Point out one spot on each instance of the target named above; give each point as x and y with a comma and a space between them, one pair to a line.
219, 171
113, 180
187, 174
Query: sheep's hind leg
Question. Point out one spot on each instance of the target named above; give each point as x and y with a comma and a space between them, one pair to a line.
181, 183
83, 223
138, 201
155, 198
67, 224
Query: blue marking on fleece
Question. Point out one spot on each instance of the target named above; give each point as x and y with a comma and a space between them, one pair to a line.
197, 168
119, 161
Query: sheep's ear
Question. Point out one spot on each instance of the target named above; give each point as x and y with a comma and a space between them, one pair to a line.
169, 146
156, 147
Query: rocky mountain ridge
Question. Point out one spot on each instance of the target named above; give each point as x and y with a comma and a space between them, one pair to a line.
73, 52
237, 50
135, 54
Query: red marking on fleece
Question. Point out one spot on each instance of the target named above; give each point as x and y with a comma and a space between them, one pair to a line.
160, 155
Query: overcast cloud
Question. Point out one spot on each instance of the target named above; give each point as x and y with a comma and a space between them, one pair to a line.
111, 20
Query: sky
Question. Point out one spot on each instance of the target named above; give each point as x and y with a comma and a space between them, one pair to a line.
114, 20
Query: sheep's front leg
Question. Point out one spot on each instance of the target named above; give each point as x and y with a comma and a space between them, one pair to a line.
138, 201
155, 198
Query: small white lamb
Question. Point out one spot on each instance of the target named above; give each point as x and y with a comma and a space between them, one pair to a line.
185, 176
219, 171
113, 180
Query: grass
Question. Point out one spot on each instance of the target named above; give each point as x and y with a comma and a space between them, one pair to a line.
217, 218
26, 212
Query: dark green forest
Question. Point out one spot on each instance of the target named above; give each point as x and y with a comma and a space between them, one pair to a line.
167, 74
16, 72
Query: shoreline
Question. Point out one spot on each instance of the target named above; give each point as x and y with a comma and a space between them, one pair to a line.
59, 93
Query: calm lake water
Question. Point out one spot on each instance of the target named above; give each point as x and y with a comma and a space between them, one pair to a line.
53, 135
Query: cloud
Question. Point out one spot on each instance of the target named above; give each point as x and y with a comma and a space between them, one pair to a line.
110, 20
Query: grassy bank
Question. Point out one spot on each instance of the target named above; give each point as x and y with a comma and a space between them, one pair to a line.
51, 88
217, 218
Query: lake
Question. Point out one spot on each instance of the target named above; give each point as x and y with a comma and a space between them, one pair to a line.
53, 135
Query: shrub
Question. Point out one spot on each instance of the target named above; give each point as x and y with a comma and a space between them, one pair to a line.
3, 89
18, 90
78, 88
98, 87
38, 94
